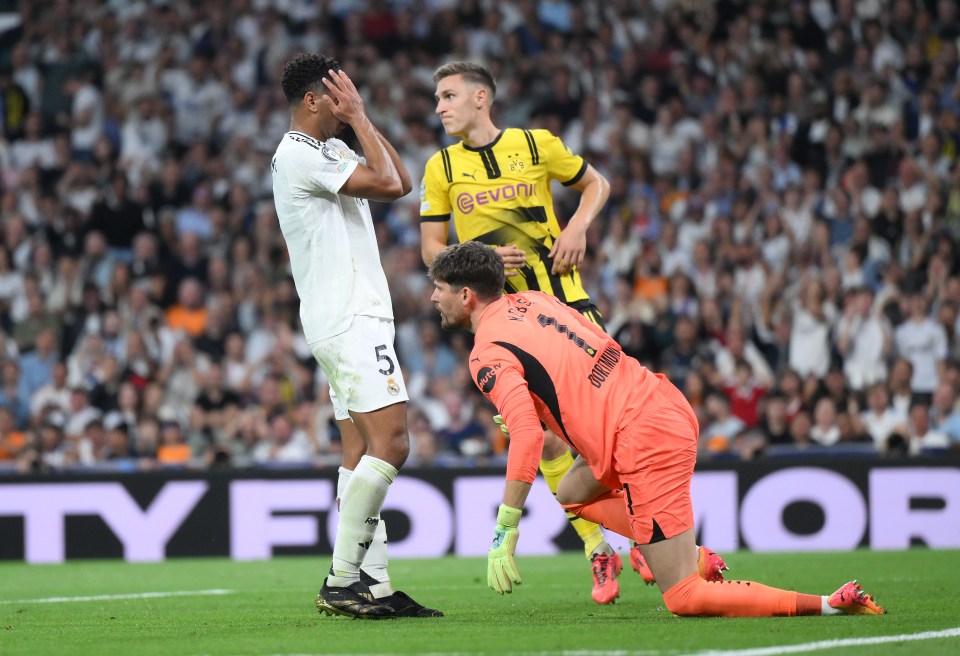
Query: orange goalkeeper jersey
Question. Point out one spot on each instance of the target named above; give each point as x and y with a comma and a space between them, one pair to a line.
538, 360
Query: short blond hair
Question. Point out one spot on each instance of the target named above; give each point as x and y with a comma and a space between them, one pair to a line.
471, 73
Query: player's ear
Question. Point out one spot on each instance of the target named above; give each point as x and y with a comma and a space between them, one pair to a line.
313, 100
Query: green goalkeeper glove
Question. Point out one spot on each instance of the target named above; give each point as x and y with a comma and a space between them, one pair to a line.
502, 570
498, 420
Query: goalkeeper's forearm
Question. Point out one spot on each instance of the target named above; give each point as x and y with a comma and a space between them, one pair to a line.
515, 494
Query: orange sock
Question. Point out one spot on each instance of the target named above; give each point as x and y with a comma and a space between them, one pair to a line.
608, 510
695, 597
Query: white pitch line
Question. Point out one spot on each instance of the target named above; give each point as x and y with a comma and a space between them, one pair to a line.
758, 651
139, 595
833, 644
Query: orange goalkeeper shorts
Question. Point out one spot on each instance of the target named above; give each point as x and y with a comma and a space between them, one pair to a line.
654, 456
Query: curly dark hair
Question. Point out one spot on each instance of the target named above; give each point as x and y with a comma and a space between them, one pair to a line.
303, 73
470, 264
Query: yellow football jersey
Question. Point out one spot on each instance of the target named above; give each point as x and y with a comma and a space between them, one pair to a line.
500, 194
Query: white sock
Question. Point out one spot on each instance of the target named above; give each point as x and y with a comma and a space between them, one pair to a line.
375, 562
359, 512
827, 609
342, 480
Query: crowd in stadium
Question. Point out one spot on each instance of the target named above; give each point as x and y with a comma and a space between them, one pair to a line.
781, 237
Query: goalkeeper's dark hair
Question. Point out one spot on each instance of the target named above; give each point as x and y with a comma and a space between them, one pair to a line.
470, 264
304, 73
470, 72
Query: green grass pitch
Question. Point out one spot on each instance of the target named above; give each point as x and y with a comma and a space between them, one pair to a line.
267, 608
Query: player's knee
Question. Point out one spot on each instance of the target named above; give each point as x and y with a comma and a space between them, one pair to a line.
573, 495
401, 449
392, 446
398, 447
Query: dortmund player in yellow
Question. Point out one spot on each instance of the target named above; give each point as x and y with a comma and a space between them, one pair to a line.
497, 185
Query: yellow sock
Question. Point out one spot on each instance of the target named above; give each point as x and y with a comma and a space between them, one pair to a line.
590, 533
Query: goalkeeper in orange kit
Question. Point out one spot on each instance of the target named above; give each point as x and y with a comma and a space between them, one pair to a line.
539, 361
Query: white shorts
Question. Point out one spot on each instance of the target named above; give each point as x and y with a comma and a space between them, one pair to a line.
362, 367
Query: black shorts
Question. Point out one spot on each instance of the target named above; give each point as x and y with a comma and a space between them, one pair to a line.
590, 311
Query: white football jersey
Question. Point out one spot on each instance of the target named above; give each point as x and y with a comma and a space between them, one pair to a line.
330, 237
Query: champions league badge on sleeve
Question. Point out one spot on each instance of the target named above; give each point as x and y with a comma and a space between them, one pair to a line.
330, 154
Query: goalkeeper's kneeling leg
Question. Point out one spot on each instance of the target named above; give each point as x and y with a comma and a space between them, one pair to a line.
694, 597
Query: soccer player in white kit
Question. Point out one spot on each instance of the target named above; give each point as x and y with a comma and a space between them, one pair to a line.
321, 189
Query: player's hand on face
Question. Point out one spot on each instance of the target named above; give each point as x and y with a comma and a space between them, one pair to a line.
342, 98
513, 259
568, 250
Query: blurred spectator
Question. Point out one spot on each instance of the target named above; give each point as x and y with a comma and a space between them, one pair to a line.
825, 430
86, 114
944, 413
723, 427
36, 366
35, 148
745, 394
216, 403
50, 449
53, 394
737, 350
801, 430
118, 217
147, 441
864, 340
880, 420
463, 434
180, 379
118, 447
685, 353
38, 320
12, 440
283, 443
172, 447
922, 438
189, 314
923, 342
12, 393
774, 426
809, 339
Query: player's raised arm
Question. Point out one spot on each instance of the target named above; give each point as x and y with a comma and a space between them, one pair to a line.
379, 179
405, 181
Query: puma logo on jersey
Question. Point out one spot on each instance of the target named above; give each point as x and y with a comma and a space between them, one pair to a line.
469, 175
